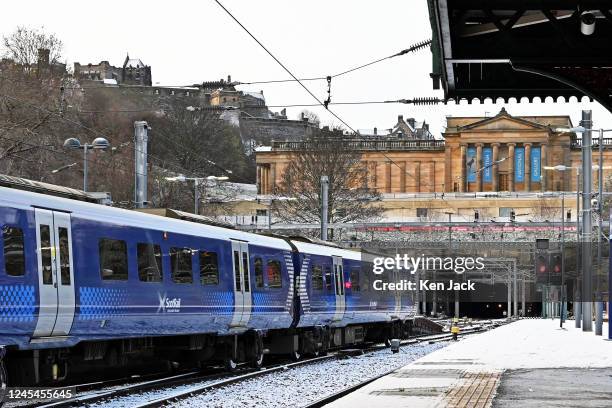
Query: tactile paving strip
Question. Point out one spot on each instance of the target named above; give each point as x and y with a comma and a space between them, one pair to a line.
475, 391
429, 373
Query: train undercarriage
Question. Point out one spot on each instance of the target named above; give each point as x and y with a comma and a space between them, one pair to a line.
151, 354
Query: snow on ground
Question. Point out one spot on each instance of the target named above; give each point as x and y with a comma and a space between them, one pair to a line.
531, 343
128, 401
302, 385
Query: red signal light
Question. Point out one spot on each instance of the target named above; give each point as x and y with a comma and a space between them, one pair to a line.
347, 285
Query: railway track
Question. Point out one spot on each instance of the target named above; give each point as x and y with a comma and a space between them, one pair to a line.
348, 390
194, 383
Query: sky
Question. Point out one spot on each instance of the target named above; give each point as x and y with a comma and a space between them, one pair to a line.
187, 42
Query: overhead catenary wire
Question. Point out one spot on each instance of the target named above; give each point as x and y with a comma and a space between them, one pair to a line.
410, 49
414, 101
283, 66
320, 103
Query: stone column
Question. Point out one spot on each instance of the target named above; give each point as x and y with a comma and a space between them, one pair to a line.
527, 166
264, 179
447, 182
478, 167
388, 177
462, 176
511, 166
417, 177
372, 175
402, 178
272, 177
495, 167
543, 172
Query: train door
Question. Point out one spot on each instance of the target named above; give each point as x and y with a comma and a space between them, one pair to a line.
397, 293
339, 288
243, 300
55, 273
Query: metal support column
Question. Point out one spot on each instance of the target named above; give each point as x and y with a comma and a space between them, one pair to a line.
587, 175
141, 140
598, 295
324, 206
514, 290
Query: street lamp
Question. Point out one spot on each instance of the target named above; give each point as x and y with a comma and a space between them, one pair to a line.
196, 182
99, 143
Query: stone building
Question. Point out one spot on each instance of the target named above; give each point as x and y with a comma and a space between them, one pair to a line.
246, 110
132, 72
502, 153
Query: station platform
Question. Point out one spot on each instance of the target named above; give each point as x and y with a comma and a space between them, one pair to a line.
527, 363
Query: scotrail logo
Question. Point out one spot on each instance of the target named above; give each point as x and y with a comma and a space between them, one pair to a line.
168, 305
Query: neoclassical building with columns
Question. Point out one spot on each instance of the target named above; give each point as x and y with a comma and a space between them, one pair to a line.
501, 153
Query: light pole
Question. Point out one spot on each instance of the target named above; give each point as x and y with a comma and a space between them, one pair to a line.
196, 183
99, 143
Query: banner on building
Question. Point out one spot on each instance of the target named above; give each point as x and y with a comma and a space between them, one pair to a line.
519, 164
470, 165
536, 161
487, 164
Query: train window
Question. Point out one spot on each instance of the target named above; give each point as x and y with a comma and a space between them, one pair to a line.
355, 285
328, 277
149, 262
317, 277
274, 274
45, 254
64, 248
259, 275
14, 257
237, 271
181, 264
245, 268
113, 259
209, 268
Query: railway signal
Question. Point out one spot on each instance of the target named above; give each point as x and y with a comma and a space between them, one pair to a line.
555, 268
542, 268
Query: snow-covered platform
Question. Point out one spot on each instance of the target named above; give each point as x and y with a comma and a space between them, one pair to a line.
526, 363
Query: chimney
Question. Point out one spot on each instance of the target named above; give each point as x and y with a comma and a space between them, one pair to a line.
412, 122
400, 118
375, 131
229, 79
261, 92
43, 57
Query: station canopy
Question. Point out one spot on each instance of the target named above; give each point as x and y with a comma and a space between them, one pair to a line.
522, 48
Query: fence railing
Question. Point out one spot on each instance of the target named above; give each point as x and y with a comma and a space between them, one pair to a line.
607, 142
368, 145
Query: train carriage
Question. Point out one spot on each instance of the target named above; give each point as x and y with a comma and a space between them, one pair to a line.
336, 293
91, 283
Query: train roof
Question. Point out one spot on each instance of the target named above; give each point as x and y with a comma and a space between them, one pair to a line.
324, 250
27, 200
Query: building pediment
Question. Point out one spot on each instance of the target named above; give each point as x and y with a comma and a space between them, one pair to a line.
503, 122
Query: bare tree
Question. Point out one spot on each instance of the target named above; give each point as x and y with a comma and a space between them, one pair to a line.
311, 116
327, 153
23, 45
